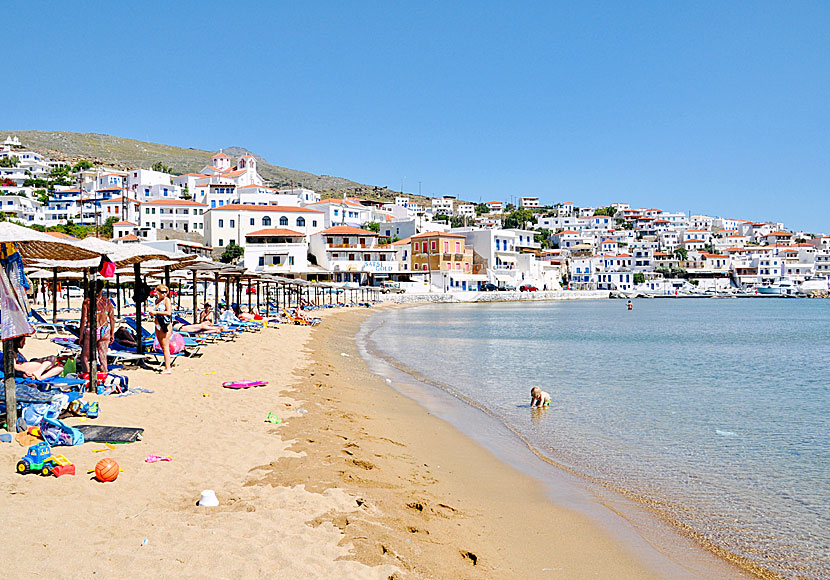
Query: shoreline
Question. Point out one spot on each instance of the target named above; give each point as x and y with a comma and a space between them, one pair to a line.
358, 481
643, 529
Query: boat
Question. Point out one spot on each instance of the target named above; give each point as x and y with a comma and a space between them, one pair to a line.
783, 287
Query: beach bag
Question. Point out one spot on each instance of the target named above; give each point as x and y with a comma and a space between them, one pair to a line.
14, 321
176, 344
34, 414
107, 267
113, 384
56, 432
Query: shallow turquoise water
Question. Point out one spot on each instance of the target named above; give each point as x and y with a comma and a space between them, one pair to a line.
717, 409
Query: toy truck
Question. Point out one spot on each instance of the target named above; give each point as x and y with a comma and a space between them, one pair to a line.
39, 459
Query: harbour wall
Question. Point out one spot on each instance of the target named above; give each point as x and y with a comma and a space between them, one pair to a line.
459, 297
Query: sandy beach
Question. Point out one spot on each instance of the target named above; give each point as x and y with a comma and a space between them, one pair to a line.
358, 481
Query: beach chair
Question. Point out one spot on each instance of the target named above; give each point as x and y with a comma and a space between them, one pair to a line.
302, 321
72, 346
191, 347
41, 325
211, 336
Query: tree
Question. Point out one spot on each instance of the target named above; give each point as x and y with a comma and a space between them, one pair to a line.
159, 166
543, 237
482, 209
519, 218
372, 227
610, 211
232, 253
82, 165
639, 278
11, 161
681, 254
106, 229
42, 196
509, 207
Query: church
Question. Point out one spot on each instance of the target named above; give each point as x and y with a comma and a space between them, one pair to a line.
241, 175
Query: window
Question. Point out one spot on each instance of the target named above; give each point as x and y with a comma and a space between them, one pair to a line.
314, 223
212, 204
457, 247
433, 245
446, 247
351, 256
290, 260
266, 221
233, 223
221, 225
262, 260
301, 222
336, 213
154, 211
417, 246
221, 242
367, 257
252, 221
283, 221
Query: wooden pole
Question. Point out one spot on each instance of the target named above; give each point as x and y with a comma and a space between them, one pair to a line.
92, 295
216, 299
11, 394
54, 295
248, 292
195, 300
257, 295
267, 299
139, 310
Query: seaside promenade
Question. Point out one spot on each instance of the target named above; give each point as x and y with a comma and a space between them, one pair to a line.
357, 481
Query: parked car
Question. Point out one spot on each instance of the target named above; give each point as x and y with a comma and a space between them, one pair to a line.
74, 292
391, 288
528, 288
509, 287
490, 287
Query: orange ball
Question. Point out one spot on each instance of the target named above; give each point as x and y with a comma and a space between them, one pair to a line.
106, 470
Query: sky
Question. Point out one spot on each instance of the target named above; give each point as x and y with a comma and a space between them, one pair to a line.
718, 108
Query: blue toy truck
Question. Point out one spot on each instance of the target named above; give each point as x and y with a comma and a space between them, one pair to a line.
39, 459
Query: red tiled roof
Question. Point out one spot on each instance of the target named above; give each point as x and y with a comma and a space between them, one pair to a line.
173, 202
123, 223
259, 186
128, 238
273, 232
436, 234
60, 235
251, 207
220, 154
341, 230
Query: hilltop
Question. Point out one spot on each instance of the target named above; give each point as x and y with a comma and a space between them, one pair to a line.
123, 153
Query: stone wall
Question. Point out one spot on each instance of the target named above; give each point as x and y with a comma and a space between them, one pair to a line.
460, 297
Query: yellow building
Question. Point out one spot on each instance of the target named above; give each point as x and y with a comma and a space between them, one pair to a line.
440, 252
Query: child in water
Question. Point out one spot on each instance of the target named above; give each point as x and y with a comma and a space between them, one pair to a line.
539, 398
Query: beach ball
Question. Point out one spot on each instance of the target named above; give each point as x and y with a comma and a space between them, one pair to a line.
106, 470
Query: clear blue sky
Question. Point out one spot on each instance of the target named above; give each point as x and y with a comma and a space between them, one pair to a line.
710, 107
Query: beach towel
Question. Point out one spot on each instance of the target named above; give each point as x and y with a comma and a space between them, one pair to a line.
108, 434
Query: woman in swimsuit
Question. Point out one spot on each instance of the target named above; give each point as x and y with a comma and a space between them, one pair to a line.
36, 368
163, 315
105, 322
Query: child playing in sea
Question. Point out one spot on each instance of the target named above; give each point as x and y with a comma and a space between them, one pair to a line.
539, 398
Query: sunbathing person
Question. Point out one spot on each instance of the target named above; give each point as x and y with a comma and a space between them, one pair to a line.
298, 313
251, 315
228, 317
206, 315
37, 368
201, 327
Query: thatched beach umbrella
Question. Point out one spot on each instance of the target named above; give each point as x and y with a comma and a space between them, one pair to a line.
31, 245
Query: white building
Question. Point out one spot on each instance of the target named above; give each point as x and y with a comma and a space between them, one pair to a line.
498, 248
233, 222
343, 212
467, 210
443, 205
353, 255
276, 251
173, 214
529, 203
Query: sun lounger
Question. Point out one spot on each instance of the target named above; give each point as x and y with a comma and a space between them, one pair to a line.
41, 325
191, 347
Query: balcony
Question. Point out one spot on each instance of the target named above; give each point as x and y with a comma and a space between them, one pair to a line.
355, 246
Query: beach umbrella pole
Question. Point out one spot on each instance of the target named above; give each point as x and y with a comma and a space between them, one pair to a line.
118, 293
93, 331
139, 340
54, 296
216, 299
195, 298
11, 394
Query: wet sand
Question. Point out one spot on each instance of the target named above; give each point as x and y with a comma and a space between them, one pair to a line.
358, 481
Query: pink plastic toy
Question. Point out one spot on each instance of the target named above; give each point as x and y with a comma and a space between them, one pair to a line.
244, 384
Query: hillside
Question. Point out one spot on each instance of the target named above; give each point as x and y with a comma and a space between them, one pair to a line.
125, 153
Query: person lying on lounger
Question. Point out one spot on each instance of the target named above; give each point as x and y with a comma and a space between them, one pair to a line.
37, 368
251, 315
201, 327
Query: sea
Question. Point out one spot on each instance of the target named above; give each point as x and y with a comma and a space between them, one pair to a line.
713, 412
